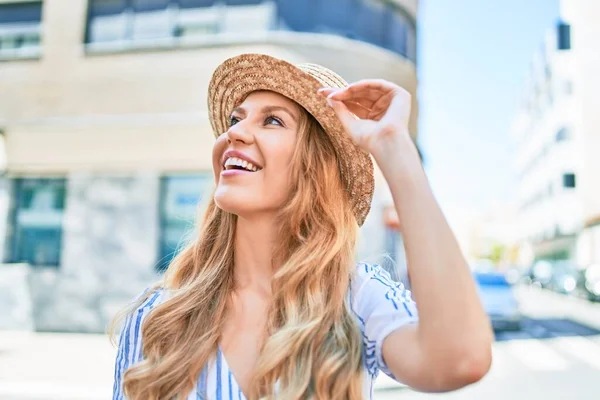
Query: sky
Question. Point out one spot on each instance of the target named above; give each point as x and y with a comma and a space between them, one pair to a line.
473, 58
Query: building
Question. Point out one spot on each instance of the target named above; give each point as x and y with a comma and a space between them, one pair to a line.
558, 137
108, 145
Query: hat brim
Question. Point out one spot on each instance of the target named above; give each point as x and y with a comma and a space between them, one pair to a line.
239, 76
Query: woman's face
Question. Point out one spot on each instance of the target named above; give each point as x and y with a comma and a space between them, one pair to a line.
251, 161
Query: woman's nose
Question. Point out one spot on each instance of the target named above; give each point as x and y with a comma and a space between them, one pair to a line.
240, 133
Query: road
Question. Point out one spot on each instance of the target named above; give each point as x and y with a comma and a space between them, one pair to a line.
555, 357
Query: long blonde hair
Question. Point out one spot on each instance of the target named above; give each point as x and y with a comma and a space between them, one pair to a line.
313, 347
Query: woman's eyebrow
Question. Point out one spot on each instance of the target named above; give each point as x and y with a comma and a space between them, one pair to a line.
266, 110
269, 109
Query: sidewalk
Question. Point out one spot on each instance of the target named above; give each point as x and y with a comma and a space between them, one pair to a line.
50, 366
53, 366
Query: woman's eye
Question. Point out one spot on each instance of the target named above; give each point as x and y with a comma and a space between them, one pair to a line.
233, 121
271, 118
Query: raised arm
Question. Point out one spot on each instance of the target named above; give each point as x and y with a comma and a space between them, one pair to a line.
450, 346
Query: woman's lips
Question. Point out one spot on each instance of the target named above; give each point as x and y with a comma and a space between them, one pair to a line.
233, 172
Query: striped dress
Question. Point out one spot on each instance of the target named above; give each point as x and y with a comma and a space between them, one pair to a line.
380, 305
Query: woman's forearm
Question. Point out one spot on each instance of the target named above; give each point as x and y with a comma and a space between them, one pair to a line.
452, 318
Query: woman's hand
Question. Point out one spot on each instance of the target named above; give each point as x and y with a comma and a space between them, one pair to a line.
451, 345
374, 112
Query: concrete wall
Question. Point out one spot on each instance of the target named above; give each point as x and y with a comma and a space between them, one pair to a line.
110, 247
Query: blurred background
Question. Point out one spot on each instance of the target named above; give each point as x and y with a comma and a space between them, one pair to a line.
105, 153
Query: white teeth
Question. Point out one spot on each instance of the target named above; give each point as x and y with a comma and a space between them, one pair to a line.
240, 163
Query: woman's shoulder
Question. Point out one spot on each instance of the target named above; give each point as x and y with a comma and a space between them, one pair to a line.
366, 272
148, 299
372, 289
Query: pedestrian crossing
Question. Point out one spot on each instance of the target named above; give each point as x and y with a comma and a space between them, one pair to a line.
530, 356
561, 354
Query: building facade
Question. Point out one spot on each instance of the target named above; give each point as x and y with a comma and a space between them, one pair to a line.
107, 142
558, 135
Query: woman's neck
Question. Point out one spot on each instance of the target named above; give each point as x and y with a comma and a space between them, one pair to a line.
253, 263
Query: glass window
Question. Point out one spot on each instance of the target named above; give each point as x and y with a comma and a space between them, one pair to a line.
98, 8
149, 5
36, 223
372, 22
21, 12
562, 134
151, 20
107, 21
397, 35
338, 16
250, 18
20, 28
180, 196
564, 36
569, 180
298, 16
375, 22
195, 3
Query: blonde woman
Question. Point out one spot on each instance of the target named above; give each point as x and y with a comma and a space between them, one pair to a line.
267, 301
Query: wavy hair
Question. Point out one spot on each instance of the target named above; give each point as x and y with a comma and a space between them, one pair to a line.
313, 347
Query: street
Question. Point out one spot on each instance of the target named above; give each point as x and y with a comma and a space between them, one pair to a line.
555, 356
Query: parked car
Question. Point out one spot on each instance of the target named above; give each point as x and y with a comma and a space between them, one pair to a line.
499, 300
541, 273
591, 281
565, 277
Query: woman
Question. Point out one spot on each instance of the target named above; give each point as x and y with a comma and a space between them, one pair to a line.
268, 302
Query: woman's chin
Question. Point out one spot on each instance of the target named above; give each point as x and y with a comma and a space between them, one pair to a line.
232, 204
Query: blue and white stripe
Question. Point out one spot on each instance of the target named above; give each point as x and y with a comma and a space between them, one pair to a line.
380, 305
130, 342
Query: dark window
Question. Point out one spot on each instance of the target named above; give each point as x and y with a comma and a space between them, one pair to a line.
21, 12
297, 15
195, 3
372, 22
149, 5
23, 37
564, 36
337, 16
180, 196
99, 8
243, 2
569, 180
398, 34
562, 134
35, 232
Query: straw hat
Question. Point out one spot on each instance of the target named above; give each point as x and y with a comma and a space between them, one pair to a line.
237, 77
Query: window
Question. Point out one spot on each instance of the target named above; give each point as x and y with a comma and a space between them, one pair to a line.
564, 36
35, 232
563, 134
20, 29
569, 180
148, 20
372, 22
172, 22
180, 196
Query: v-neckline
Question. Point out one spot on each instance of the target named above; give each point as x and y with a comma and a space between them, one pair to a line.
225, 364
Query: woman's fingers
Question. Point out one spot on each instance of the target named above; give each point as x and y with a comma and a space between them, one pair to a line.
368, 89
360, 109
